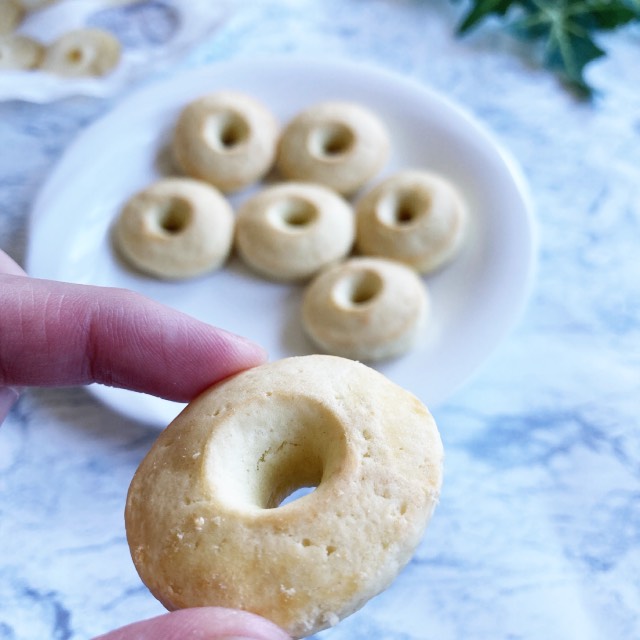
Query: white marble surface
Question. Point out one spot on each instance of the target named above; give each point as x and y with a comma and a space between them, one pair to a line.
538, 530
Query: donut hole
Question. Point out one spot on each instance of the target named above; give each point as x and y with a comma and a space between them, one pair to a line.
292, 213
294, 475
75, 56
226, 130
174, 215
358, 288
331, 141
403, 208
273, 454
296, 495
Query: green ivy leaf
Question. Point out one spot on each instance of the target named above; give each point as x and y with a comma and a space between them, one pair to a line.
606, 15
482, 9
568, 46
567, 28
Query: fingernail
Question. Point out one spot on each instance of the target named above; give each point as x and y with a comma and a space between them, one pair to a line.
8, 397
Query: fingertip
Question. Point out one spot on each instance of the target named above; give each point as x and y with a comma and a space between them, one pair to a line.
209, 355
206, 623
168, 353
250, 353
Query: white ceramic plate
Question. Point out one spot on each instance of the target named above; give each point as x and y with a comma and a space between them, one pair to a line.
475, 300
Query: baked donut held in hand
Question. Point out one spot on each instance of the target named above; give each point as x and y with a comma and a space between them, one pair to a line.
204, 515
339, 144
175, 228
290, 231
226, 138
416, 217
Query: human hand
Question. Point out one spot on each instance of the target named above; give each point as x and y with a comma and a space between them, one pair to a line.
206, 623
54, 334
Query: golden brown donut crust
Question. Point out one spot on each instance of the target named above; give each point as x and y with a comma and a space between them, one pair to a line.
175, 228
34, 5
202, 515
365, 308
85, 52
290, 231
11, 15
226, 138
19, 52
339, 144
416, 217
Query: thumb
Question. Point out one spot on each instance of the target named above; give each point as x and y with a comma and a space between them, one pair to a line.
203, 623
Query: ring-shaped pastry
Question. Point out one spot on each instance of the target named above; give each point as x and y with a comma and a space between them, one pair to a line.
35, 5
83, 53
205, 520
366, 309
292, 230
415, 217
226, 138
339, 144
19, 52
175, 228
11, 15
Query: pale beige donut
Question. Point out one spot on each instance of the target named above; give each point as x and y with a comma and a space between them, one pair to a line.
226, 138
11, 15
175, 228
416, 217
19, 52
366, 309
339, 144
34, 5
83, 53
203, 519
290, 231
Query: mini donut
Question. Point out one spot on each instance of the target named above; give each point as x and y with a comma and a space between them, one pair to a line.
175, 228
204, 515
226, 138
290, 231
365, 309
415, 217
19, 52
339, 144
11, 15
35, 5
82, 53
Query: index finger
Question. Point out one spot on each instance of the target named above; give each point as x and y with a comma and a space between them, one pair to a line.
54, 333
